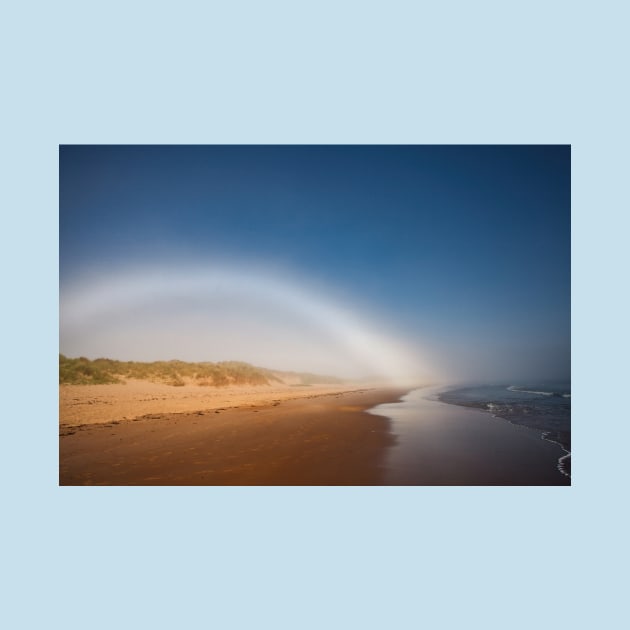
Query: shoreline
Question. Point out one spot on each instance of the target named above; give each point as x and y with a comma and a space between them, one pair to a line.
442, 444
319, 438
561, 460
546, 435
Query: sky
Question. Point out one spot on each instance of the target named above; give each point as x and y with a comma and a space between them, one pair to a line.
443, 262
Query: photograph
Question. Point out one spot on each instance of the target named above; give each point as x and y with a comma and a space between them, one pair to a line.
315, 315
306, 305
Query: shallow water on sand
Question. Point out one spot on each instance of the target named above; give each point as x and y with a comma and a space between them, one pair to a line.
443, 444
545, 407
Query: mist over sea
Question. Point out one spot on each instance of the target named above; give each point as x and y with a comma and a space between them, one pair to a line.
545, 407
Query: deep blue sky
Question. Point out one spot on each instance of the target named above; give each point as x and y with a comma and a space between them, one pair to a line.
467, 246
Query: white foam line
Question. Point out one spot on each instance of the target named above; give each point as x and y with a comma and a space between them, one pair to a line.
545, 436
560, 464
514, 388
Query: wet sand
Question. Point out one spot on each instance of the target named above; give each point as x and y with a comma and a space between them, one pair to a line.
442, 444
318, 439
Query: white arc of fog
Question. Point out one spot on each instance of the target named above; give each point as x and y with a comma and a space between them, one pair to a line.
108, 294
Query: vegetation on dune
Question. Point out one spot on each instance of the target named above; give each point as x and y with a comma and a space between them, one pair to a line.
84, 371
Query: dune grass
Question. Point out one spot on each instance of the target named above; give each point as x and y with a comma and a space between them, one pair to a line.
82, 371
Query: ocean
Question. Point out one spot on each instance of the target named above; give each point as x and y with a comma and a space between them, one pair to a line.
545, 407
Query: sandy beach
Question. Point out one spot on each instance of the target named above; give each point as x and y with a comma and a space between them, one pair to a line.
269, 436
94, 404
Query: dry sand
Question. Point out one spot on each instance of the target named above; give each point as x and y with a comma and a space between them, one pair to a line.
93, 404
251, 436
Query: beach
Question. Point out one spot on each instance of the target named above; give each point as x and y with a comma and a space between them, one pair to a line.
232, 436
151, 434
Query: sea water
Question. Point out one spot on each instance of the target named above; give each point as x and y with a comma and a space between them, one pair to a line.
545, 407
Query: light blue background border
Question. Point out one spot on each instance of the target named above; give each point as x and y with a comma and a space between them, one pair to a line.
286, 72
